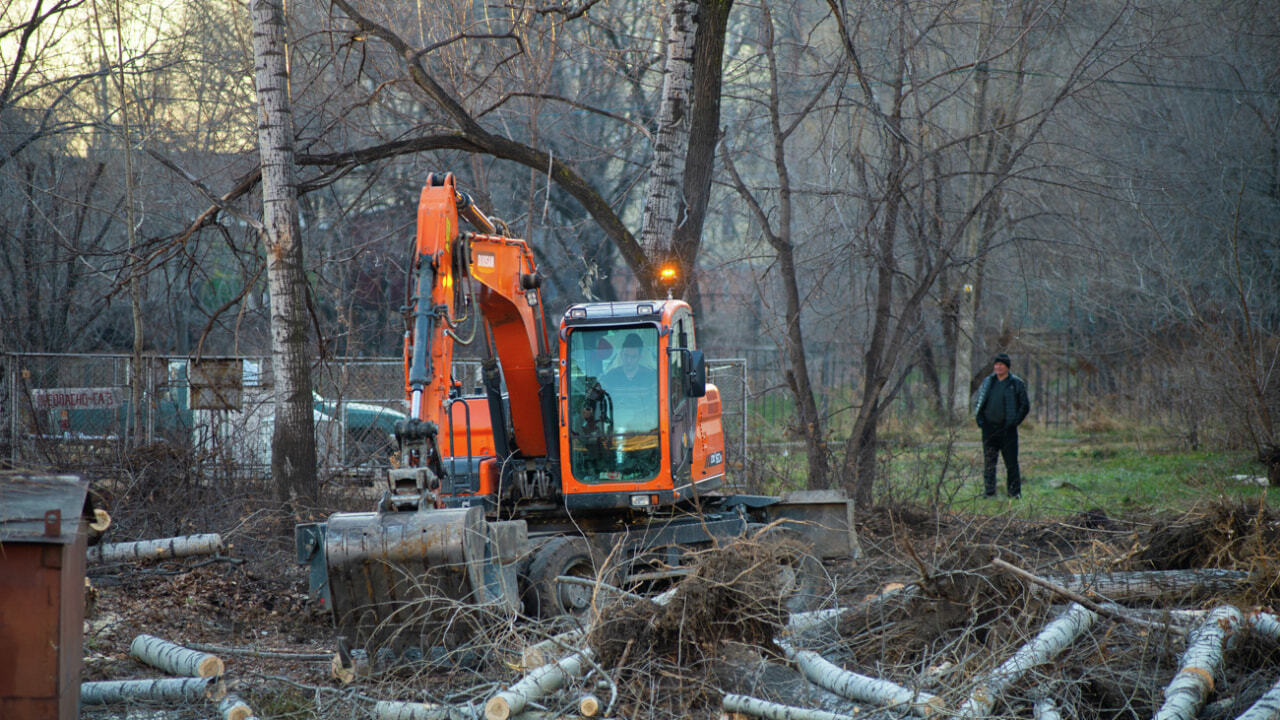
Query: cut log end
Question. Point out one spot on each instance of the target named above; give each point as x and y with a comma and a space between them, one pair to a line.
211, 666
340, 671
101, 521
233, 708
497, 709
589, 706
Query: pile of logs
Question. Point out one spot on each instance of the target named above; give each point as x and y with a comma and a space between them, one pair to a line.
198, 676
563, 672
1210, 634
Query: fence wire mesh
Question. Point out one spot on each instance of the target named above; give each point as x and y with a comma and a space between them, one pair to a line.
75, 411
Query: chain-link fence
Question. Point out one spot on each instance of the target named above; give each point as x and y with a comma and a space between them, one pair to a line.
729, 375
79, 410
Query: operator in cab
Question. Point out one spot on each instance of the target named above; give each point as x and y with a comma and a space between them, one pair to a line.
633, 385
617, 429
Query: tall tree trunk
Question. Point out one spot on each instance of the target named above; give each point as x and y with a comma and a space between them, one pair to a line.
671, 139
995, 103
704, 135
973, 244
137, 372
293, 442
887, 336
811, 426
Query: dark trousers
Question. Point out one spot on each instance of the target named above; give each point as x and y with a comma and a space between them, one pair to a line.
1003, 443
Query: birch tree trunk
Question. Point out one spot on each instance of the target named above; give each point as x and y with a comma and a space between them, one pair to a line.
1053, 639
160, 548
1266, 708
756, 707
546, 679
175, 659
1045, 708
392, 710
1265, 624
1200, 661
861, 687
233, 707
166, 690
293, 442
704, 136
671, 141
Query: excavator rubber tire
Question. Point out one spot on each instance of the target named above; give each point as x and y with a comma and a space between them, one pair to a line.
571, 555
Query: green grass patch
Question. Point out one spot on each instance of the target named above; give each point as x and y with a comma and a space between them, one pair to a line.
1068, 472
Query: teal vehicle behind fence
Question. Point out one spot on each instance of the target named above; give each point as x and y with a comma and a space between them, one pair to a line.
67, 409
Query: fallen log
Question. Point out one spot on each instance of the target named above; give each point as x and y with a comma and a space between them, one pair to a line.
589, 705
348, 664
1267, 707
234, 708
1265, 624
544, 680
755, 707
1109, 610
818, 625
1200, 661
251, 652
187, 545
1152, 584
175, 659
101, 521
825, 620
541, 653
393, 710
1053, 639
861, 687
164, 690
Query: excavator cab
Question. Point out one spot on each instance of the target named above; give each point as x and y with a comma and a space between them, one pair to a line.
644, 426
615, 435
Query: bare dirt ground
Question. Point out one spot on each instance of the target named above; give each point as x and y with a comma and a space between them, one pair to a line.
249, 606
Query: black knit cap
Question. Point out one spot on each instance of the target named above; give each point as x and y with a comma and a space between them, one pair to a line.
1003, 358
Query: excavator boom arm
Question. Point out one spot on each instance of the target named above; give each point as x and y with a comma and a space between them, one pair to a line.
489, 274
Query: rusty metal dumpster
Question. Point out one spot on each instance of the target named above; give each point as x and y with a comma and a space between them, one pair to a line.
42, 570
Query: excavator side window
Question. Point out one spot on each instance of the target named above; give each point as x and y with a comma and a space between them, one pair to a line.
613, 404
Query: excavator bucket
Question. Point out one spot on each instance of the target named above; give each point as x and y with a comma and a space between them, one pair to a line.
414, 579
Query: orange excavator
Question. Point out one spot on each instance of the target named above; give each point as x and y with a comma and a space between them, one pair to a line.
597, 438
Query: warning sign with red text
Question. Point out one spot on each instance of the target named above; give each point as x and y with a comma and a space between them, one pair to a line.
77, 398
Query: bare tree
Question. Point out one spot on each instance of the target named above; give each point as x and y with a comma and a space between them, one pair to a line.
293, 443
995, 102
811, 425
897, 196
136, 377
462, 127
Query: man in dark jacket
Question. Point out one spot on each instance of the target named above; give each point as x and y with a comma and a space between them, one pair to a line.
1002, 406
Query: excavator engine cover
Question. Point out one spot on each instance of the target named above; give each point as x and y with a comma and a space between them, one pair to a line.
424, 579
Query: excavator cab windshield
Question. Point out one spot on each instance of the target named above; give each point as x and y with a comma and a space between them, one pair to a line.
613, 400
